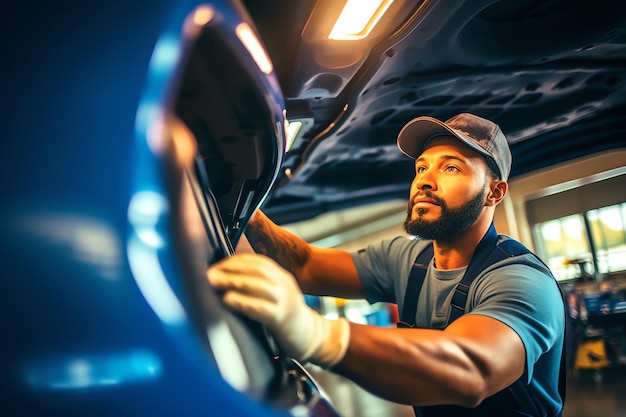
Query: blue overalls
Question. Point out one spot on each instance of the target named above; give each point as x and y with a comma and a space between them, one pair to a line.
488, 252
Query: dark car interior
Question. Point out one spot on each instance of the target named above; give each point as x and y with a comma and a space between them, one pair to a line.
236, 136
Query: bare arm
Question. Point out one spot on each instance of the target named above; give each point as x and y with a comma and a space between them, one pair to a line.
475, 357
319, 271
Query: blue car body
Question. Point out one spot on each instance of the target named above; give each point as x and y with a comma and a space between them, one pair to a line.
110, 213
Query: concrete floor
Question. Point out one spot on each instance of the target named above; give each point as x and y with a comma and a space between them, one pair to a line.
588, 395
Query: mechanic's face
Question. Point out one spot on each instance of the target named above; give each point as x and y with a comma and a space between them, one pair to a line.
448, 191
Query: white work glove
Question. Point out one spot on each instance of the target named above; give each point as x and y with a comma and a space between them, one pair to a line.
258, 287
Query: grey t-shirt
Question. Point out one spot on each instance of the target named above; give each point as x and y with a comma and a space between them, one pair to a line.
519, 292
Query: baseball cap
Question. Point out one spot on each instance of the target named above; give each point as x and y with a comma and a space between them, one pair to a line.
482, 135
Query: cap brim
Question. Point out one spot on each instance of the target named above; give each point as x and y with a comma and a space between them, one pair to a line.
415, 135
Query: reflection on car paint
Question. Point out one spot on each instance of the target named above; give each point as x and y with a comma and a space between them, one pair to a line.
93, 371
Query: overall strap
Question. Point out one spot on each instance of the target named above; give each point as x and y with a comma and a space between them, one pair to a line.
418, 273
487, 253
414, 287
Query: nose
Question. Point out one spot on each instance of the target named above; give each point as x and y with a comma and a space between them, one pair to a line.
424, 180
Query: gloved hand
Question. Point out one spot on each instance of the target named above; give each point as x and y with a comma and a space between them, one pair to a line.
258, 287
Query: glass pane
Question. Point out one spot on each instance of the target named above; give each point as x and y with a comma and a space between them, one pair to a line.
609, 235
563, 245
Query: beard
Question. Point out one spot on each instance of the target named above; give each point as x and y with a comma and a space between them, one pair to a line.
452, 221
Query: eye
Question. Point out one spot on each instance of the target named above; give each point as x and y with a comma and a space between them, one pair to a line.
420, 169
451, 168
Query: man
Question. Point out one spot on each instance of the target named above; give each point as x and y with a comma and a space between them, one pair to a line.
502, 357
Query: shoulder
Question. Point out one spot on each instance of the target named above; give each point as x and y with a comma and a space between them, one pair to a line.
521, 292
518, 253
389, 256
383, 267
519, 279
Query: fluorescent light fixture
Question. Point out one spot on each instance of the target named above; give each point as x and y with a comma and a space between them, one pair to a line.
254, 47
358, 18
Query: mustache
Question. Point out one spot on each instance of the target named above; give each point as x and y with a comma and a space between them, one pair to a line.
426, 194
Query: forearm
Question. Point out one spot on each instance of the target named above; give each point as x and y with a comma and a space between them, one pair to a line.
418, 366
418, 370
267, 238
319, 271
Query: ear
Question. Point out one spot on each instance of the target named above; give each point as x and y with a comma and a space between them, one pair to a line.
497, 192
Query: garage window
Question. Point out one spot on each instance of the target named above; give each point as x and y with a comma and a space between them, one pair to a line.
584, 245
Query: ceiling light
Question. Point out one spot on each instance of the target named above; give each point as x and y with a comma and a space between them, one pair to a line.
358, 18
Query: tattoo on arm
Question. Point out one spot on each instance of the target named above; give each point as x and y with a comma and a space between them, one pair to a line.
280, 245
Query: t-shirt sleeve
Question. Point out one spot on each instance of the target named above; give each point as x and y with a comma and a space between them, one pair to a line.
528, 301
383, 267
